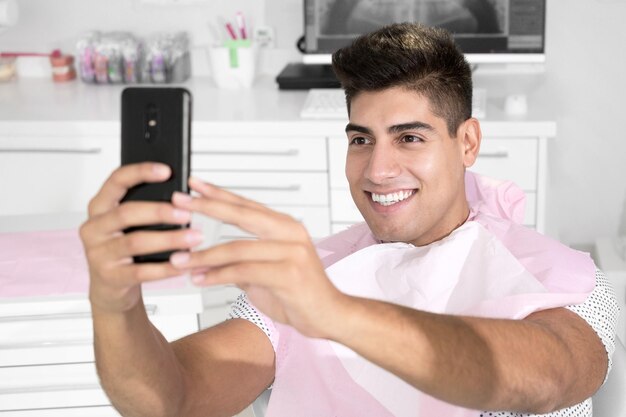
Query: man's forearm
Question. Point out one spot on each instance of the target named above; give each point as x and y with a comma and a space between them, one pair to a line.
136, 365
488, 364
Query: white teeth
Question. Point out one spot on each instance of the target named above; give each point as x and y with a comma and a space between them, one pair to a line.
392, 198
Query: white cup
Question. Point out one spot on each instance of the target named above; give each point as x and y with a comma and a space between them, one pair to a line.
233, 66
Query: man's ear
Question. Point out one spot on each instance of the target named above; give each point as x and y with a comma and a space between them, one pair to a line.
470, 136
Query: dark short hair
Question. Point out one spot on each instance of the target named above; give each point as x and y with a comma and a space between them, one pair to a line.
420, 58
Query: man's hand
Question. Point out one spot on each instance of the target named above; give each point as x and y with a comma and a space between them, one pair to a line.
281, 271
115, 279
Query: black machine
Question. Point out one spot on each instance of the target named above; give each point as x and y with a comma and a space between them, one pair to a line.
301, 76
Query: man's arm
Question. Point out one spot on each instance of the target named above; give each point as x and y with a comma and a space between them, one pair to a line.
550, 360
217, 372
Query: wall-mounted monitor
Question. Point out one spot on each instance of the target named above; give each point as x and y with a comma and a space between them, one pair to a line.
487, 31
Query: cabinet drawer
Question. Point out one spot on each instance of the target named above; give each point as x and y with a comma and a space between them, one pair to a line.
258, 154
64, 341
509, 159
315, 219
50, 386
95, 411
273, 188
60, 175
49, 340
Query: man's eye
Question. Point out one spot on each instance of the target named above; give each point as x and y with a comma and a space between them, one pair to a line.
359, 140
411, 139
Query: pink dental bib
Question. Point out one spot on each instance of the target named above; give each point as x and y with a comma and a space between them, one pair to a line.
489, 267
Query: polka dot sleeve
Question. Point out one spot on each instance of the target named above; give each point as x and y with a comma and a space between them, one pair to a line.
242, 309
601, 311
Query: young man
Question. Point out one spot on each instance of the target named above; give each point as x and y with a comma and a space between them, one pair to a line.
435, 307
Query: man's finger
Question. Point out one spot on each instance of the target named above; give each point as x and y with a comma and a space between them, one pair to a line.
261, 222
212, 191
147, 242
121, 180
148, 272
245, 273
237, 251
129, 214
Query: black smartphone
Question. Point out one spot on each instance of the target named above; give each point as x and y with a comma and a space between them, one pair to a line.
156, 126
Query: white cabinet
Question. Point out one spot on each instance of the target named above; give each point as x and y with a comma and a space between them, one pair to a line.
288, 173
53, 167
46, 350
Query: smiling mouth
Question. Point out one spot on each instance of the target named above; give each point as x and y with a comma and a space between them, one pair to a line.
392, 198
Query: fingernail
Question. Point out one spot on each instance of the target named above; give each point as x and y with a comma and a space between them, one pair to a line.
126, 261
160, 169
181, 198
180, 258
194, 236
199, 182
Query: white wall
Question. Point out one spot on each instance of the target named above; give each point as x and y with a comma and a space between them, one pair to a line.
586, 67
586, 47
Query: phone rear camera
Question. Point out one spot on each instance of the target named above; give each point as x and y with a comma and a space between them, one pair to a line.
151, 124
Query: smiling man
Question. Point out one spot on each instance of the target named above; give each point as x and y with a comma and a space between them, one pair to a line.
440, 304
405, 172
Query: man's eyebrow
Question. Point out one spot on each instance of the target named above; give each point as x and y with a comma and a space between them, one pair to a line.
392, 129
356, 128
410, 126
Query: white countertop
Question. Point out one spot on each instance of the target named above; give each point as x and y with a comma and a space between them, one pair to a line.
41, 100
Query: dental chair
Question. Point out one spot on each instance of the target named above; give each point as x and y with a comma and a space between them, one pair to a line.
610, 400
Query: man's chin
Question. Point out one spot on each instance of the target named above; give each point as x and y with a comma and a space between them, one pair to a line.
389, 235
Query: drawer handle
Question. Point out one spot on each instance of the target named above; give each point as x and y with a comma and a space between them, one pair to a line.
288, 152
45, 343
285, 188
498, 154
50, 388
51, 150
150, 309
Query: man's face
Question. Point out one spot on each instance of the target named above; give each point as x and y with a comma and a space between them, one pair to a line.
406, 173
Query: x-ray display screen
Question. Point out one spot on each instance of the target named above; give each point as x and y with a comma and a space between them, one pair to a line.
479, 26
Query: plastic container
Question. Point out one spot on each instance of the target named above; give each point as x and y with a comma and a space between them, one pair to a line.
233, 65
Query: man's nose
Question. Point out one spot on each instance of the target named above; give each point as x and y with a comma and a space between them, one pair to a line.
383, 164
